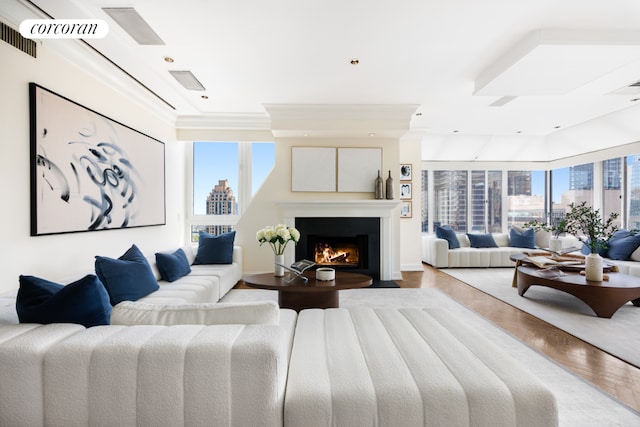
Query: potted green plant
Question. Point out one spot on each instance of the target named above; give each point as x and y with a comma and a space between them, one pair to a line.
588, 226
560, 226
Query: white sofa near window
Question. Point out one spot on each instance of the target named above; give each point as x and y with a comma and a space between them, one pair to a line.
436, 252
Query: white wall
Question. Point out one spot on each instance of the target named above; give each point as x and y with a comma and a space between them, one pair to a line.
58, 256
411, 228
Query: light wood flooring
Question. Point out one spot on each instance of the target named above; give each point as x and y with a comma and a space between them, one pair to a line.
607, 372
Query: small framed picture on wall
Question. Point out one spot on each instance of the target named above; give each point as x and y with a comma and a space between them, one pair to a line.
405, 172
405, 191
405, 210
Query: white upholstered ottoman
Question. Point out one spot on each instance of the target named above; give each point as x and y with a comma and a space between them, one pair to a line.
406, 367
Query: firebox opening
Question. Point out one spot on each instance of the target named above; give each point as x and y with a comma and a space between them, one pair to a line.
339, 251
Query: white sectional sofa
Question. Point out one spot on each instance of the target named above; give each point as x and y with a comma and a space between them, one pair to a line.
355, 367
436, 252
151, 375
176, 358
205, 283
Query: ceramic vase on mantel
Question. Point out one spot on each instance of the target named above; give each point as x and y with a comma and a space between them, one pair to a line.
389, 187
278, 269
593, 267
379, 188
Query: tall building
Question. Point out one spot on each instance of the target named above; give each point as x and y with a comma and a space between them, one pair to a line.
221, 201
581, 177
519, 183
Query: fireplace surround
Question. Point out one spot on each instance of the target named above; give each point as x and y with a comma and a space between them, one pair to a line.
344, 243
383, 210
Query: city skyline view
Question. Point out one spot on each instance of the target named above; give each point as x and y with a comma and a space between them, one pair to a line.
215, 161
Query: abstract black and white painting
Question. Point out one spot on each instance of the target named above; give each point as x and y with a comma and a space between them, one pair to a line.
89, 172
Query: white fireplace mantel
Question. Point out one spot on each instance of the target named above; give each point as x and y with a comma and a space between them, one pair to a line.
382, 209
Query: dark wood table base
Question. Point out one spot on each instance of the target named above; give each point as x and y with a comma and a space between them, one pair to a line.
299, 294
302, 300
604, 298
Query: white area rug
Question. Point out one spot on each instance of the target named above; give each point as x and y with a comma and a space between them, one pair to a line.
579, 403
619, 336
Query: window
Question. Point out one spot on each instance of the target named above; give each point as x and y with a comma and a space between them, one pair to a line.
263, 157
215, 175
486, 201
450, 197
225, 177
525, 197
612, 171
425, 201
570, 185
633, 192
473, 200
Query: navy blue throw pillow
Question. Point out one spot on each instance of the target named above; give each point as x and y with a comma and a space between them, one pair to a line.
522, 239
215, 249
84, 302
173, 266
482, 240
447, 233
622, 247
127, 278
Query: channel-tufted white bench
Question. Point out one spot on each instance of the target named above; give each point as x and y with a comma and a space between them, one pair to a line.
406, 367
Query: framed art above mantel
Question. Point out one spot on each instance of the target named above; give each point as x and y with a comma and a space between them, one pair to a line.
89, 172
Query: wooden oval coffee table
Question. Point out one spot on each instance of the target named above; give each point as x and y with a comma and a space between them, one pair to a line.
299, 294
604, 298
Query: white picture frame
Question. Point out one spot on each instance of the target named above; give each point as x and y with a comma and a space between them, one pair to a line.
358, 169
313, 169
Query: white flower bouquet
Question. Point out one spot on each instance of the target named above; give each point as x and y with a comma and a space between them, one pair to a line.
278, 237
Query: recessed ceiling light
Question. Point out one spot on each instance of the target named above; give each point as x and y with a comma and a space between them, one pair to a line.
635, 99
372, 134
204, 97
168, 59
418, 114
557, 127
519, 131
455, 131
355, 61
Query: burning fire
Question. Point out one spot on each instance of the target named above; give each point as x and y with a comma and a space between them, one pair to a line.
325, 254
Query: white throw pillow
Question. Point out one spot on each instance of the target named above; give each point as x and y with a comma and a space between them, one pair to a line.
250, 313
501, 239
464, 240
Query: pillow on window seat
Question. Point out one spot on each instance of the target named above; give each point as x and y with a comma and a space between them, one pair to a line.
447, 233
522, 239
215, 249
622, 248
482, 240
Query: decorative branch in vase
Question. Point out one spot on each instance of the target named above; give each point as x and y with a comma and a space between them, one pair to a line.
590, 228
558, 227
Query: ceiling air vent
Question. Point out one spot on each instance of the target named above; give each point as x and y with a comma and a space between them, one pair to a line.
187, 79
631, 89
15, 39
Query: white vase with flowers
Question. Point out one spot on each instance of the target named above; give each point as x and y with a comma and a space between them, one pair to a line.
278, 237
